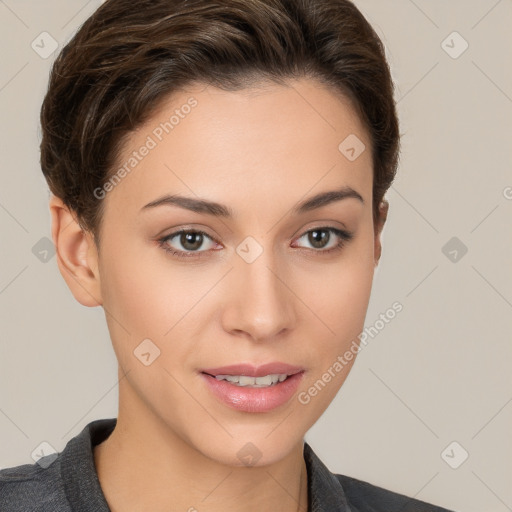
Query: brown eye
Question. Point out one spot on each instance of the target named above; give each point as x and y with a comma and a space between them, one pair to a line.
319, 238
188, 242
191, 240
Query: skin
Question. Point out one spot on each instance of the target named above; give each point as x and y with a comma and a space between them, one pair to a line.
259, 151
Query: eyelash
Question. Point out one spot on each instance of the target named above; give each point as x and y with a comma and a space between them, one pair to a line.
344, 236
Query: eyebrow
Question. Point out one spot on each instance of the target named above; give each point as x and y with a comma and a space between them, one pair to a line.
220, 210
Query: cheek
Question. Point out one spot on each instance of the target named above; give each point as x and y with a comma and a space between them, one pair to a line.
147, 296
138, 300
333, 343
137, 287
339, 305
339, 293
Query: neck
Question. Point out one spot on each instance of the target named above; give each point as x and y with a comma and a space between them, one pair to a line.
144, 465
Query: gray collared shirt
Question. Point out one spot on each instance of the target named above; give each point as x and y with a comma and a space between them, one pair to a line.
68, 482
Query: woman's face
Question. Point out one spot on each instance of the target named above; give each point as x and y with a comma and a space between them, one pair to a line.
270, 284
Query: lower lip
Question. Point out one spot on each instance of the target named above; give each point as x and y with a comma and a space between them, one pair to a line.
249, 399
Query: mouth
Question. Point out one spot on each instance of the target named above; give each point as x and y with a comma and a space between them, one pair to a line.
254, 389
265, 375
253, 382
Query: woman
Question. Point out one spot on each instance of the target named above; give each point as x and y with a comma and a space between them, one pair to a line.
218, 172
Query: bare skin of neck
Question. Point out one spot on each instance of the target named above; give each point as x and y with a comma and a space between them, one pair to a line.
133, 480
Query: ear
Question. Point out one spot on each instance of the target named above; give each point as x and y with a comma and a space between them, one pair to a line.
383, 214
77, 256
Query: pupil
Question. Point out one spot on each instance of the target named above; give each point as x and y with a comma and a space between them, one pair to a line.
188, 238
317, 237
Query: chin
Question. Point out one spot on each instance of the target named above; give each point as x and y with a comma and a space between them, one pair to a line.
250, 451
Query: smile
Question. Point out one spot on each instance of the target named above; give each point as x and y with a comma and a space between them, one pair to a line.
254, 389
254, 382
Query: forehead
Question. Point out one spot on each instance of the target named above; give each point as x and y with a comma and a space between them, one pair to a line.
265, 142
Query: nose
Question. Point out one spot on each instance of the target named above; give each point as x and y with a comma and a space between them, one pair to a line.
260, 305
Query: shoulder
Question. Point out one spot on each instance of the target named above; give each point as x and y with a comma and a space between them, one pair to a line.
332, 491
59, 482
33, 487
364, 496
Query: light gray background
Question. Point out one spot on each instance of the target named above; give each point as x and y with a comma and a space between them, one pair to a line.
439, 372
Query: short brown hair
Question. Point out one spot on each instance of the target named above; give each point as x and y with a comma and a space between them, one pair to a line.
128, 57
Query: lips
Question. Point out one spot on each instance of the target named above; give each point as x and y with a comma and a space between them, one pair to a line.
247, 388
254, 371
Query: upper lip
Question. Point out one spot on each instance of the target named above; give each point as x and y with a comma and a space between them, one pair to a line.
254, 371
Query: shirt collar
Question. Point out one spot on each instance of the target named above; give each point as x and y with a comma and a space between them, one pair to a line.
84, 493
78, 472
325, 491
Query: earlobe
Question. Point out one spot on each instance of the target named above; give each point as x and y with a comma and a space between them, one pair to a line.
383, 214
77, 256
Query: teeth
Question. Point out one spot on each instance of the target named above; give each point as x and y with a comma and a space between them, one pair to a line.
255, 382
